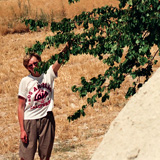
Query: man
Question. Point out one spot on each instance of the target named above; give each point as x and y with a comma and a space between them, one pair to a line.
35, 104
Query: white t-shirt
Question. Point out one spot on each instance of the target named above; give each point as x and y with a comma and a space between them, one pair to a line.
38, 92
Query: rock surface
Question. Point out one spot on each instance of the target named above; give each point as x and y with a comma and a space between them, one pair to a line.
135, 133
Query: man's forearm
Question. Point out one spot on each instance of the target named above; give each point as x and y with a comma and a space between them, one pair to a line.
21, 117
66, 47
56, 65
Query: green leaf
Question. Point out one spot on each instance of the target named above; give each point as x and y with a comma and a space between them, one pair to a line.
105, 97
140, 85
131, 91
142, 60
155, 61
116, 36
134, 75
130, 2
145, 49
137, 41
83, 92
74, 88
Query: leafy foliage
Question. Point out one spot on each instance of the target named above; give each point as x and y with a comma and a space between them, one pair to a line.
106, 31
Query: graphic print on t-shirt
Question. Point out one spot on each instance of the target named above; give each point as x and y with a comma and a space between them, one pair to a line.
41, 96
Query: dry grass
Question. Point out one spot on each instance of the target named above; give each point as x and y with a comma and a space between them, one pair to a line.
76, 140
71, 138
12, 12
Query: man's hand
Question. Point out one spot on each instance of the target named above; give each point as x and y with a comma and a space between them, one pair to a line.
24, 137
69, 44
56, 65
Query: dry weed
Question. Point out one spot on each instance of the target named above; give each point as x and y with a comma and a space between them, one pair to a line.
14, 11
71, 138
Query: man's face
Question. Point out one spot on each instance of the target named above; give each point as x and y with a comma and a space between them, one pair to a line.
33, 62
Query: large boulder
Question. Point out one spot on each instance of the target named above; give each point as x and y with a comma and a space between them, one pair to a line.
135, 132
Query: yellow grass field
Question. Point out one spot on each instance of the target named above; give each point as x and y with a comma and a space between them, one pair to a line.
75, 140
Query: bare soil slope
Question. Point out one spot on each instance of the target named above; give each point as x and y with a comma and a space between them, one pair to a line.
135, 132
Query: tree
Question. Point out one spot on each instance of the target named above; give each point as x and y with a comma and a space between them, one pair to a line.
106, 31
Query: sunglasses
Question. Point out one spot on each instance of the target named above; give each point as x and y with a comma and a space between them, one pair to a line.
31, 65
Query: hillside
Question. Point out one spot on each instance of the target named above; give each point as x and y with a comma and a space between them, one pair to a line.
75, 140
135, 132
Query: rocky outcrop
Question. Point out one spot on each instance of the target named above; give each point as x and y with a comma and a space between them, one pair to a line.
135, 133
